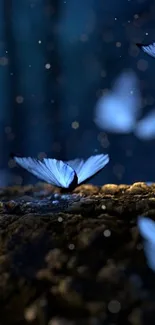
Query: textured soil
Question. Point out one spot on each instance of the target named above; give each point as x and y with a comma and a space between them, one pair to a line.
75, 258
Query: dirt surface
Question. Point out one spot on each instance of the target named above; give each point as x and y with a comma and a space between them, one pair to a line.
75, 258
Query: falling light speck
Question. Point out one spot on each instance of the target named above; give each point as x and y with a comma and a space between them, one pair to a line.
107, 233
39, 41
114, 306
30, 313
47, 66
118, 44
19, 99
136, 16
75, 125
71, 246
3, 61
60, 219
11, 163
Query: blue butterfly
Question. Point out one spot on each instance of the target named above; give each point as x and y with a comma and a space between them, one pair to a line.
145, 128
149, 49
147, 230
117, 110
64, 174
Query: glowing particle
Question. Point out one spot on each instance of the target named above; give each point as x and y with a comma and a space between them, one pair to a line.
71, 246
11, 163
47, 66
114, 306
3, 61
60, 219
30, 313
19, 99
107, 233
39, 41
103, 207
118, 44
136, 16
75, 125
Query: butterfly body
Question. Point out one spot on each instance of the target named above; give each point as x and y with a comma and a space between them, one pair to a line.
72, 185
66, 175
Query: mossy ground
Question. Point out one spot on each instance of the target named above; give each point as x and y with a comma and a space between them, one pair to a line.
75, 258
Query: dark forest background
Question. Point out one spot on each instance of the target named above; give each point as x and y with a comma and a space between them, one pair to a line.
56, 58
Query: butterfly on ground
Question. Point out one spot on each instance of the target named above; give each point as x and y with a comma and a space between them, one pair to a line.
148, 48
62, 174
147, 230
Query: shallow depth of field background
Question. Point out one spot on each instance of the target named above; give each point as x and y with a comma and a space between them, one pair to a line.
56, 59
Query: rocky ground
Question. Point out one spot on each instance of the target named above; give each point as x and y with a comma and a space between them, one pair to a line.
75, 258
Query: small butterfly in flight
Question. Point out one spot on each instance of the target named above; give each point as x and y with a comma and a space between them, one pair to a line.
118, 110
67, 175
147, 230
148, 48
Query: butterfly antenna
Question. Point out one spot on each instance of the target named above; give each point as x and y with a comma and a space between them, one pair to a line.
139, 45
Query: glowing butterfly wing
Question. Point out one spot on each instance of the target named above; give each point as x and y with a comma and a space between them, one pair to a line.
91, 167
118, 110
76, 164
145, 128
147, 229
149, 49
52, 171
